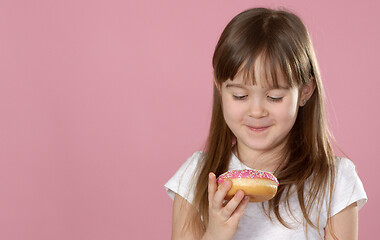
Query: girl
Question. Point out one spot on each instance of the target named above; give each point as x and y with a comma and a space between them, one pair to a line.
268, 114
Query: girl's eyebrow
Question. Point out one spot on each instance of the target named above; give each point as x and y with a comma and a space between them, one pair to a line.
237, 85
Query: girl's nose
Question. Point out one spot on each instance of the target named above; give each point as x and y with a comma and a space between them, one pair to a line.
257, 109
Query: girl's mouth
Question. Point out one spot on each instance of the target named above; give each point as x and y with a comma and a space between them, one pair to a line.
258, 129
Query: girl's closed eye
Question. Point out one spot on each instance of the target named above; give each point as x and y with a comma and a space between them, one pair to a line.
240, 97
243, 97
275, 99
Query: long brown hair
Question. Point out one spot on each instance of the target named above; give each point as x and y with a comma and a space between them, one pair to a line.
281, 38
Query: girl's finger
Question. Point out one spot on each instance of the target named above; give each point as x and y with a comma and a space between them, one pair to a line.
240, 209
221, 193
211, 187
232, 205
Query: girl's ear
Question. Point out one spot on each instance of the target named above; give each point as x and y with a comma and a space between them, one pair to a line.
307, 91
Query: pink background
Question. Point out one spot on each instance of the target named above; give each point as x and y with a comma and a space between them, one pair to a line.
102, 101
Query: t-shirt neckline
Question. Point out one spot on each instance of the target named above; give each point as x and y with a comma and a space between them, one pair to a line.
237, 164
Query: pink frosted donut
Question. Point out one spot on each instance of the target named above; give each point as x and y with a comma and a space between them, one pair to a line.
259, 185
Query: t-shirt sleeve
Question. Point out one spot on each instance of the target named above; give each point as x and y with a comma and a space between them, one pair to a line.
348, 187
183, 181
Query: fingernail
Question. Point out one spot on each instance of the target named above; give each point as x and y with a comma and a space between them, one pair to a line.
210, 175
246, 198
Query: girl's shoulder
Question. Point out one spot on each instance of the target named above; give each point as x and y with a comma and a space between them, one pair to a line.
343, 163
183, 181
345, 169
192, 162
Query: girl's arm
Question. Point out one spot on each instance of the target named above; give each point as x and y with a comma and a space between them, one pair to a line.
344, 224
181, 210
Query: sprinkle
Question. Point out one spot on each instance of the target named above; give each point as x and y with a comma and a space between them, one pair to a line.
246, 173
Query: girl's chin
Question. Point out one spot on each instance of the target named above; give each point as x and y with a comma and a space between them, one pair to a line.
257, 147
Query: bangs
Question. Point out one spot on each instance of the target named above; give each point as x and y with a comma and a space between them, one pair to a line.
275, 68
272, 69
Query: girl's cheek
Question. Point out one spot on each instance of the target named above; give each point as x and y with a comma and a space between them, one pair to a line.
291, 110
233, 110
287, 110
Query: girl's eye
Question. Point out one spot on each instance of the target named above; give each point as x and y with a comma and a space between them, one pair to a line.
275, 99
240, 97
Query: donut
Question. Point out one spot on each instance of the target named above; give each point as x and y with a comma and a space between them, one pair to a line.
259, 185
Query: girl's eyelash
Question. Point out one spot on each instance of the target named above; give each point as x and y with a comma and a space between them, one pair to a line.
279, 99
239, 97
273, 99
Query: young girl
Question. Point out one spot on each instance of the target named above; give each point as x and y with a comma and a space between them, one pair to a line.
268, 114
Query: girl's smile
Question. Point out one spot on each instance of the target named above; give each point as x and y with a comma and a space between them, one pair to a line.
258, 129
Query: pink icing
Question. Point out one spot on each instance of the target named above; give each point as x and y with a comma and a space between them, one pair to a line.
246, 173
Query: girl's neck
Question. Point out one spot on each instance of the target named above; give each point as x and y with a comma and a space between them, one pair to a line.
266, 161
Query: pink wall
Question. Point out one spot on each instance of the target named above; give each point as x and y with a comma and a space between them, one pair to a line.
102, 101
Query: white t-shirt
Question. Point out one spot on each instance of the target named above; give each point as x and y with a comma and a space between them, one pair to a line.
254, 224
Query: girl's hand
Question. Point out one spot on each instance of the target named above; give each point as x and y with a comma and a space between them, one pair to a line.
223, 219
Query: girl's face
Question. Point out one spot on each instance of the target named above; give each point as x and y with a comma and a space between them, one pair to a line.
259, 116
